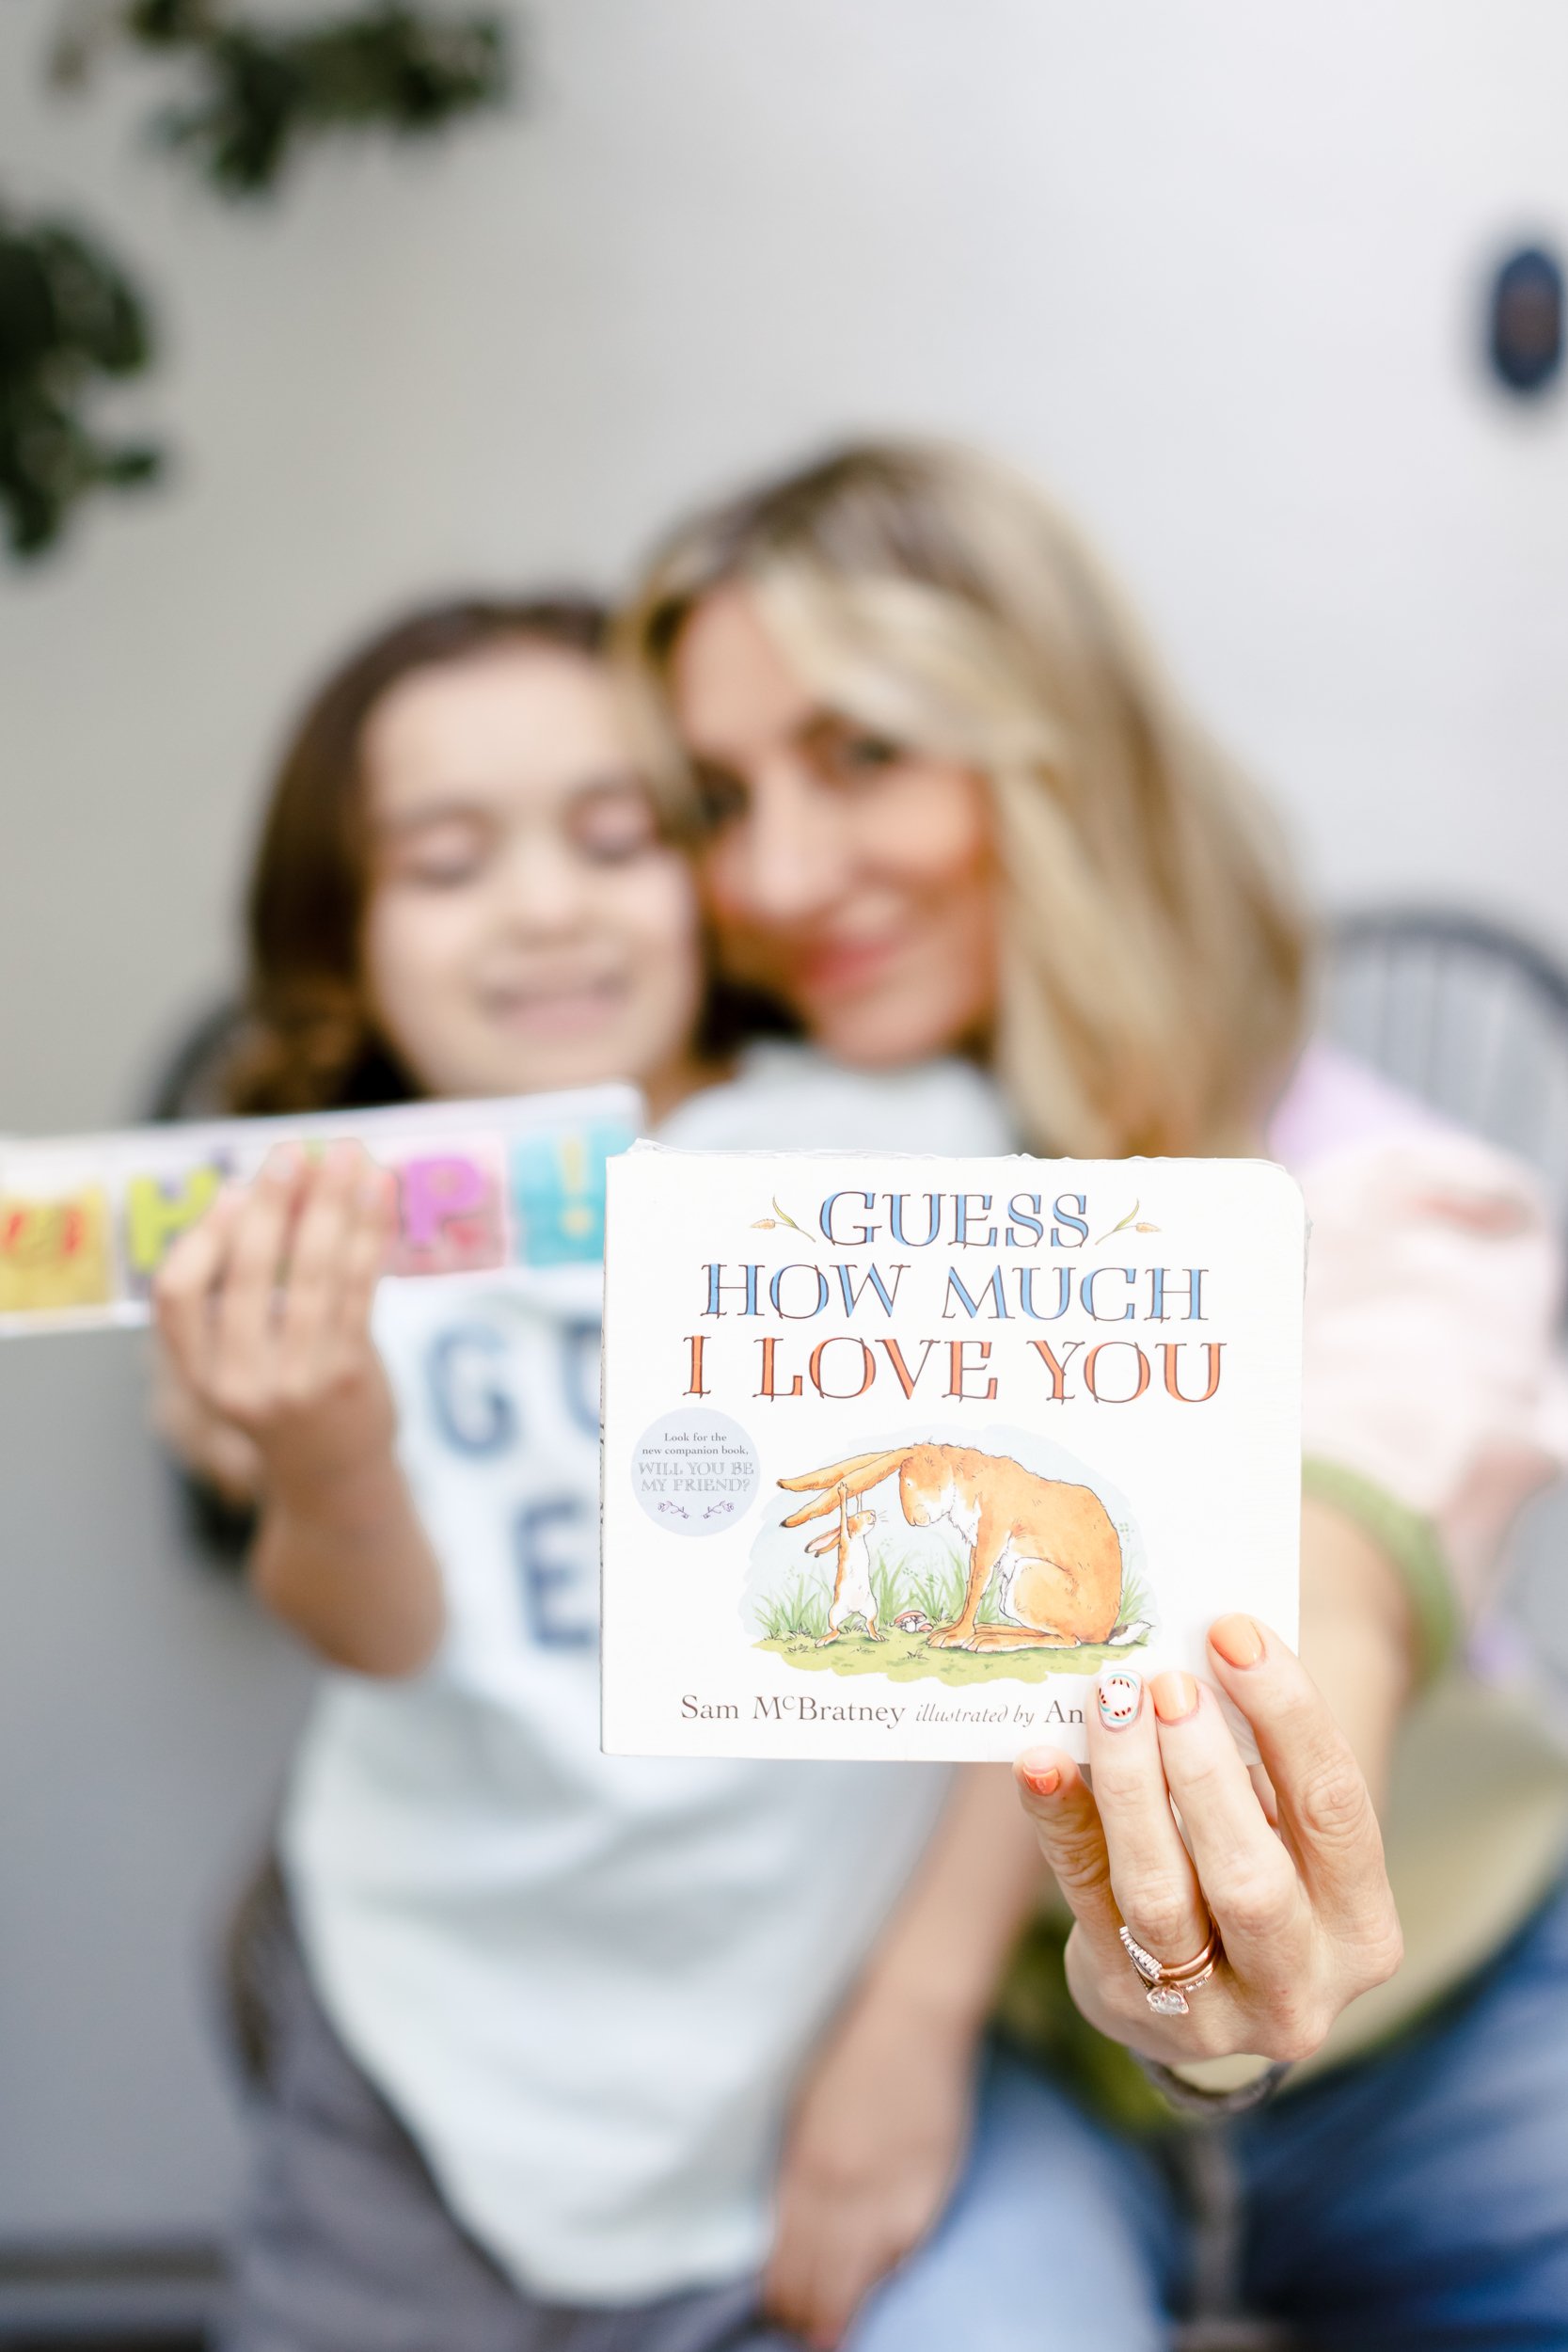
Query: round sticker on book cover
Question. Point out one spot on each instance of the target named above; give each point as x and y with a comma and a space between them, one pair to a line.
694, 1472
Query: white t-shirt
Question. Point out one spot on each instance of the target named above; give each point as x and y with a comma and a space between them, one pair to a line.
586, 1983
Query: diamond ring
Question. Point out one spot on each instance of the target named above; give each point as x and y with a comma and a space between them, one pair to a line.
1165, 1990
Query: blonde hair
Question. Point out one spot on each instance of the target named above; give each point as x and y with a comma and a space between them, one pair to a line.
1153, 950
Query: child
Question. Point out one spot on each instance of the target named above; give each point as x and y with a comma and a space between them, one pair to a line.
535, 2015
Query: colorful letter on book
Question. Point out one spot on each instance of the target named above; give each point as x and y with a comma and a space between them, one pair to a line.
56, 1254
158, 1209
451, 1209
558, 1193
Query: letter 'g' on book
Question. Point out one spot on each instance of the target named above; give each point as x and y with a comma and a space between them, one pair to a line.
857, 1505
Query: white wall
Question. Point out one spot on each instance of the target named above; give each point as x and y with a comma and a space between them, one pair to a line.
1213, 267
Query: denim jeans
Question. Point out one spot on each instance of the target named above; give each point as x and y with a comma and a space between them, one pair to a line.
1416, 2201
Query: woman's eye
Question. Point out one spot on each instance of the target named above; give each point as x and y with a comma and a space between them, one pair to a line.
849, 755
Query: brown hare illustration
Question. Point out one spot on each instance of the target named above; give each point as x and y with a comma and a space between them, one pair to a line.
1051, 1546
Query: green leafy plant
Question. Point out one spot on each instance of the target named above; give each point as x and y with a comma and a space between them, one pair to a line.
69, 320
259, 91
256, 93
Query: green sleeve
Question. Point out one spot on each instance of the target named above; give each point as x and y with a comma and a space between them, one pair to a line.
1410, 1542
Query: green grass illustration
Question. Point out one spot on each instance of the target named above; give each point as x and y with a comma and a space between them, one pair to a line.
801, 1609
795, 1619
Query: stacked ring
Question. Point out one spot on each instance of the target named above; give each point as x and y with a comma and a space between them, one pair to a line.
1165, 1989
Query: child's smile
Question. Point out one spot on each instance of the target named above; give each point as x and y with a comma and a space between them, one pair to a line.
562, 1006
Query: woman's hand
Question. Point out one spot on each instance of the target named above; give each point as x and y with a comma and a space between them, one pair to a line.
1287, 1862
264, 1309
872, 2152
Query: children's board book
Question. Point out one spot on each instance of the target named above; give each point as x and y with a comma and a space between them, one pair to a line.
900, 1453
87, 1221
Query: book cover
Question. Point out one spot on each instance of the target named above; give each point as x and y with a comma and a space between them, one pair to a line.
86, 1221
900, 1451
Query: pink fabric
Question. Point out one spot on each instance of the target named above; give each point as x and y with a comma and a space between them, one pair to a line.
1431, 1364
1332, 1100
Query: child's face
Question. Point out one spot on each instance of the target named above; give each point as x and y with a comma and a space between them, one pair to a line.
527, 927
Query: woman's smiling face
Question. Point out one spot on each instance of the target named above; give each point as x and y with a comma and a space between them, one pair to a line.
528, 925
849, 877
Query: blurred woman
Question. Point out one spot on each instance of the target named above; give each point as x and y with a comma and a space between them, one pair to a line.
945, 801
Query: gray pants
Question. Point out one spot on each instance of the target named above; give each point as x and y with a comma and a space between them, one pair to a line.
345, 2245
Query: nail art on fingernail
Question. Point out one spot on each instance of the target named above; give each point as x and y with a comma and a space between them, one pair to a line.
1120, 1695
1045, 1782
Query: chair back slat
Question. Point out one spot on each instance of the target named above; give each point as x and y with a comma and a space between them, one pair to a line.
1468, 1015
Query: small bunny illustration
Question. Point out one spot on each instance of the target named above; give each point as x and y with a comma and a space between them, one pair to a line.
852, 1594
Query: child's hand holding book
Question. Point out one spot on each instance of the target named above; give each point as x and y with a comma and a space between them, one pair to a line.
265, 1308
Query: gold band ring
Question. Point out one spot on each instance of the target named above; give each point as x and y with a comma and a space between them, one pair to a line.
1165, 1989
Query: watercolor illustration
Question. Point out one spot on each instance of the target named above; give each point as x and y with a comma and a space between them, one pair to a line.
970, 1565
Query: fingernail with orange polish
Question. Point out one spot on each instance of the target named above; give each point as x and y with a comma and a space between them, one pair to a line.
1039, 1775
1239, 1641
1174, 1696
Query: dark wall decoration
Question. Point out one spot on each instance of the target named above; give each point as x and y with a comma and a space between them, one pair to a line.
1525, 320
70, 319
255, 92
247, 97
